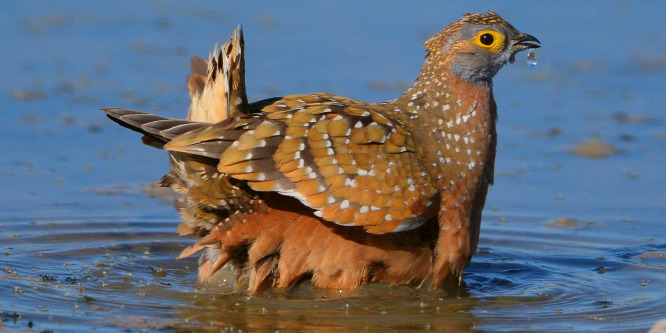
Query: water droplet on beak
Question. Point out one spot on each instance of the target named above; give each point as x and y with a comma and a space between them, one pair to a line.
531, 58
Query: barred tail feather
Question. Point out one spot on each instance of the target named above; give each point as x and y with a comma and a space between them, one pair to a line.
156, 127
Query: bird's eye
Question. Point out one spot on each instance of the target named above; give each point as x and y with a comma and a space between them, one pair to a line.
490, 40
487, 39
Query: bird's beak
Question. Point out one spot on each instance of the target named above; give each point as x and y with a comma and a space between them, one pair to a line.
523, 42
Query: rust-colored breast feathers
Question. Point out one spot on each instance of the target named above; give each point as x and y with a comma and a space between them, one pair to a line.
347, 160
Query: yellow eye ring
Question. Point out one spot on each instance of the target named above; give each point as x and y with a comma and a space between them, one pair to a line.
490, 40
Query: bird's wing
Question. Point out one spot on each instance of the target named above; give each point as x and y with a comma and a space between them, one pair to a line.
351, 163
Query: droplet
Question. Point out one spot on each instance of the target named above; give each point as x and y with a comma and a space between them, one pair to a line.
531, 58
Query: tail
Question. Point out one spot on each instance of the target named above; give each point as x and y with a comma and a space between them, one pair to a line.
217, 86
217, 90
158, 130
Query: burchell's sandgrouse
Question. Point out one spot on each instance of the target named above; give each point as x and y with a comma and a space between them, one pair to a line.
334, 189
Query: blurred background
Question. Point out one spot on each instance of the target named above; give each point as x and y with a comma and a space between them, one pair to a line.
580, 164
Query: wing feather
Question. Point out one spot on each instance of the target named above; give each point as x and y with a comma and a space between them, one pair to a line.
349, 161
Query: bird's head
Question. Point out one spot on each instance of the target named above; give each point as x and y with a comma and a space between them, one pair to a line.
478, 45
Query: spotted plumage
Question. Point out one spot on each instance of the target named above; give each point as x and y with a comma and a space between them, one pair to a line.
353, 163
275, 186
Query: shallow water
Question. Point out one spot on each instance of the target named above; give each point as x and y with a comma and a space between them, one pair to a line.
529, 274
571, 240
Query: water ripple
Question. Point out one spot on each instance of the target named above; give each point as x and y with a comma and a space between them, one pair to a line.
527, 275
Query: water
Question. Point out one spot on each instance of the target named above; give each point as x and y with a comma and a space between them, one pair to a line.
530, 274
531, 58
568, 242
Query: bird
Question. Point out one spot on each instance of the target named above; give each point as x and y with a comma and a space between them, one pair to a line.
333, 190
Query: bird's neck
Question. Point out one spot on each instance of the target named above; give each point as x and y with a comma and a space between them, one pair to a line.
438, 94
